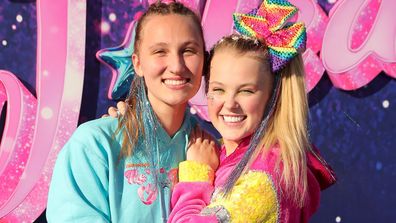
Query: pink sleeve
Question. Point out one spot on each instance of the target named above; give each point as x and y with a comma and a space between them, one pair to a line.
192, 193
188, 199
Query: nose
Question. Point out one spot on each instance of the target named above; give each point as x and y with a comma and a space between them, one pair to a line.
230, 102
176, 64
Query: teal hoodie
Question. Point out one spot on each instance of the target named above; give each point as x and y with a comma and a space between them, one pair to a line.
90, 183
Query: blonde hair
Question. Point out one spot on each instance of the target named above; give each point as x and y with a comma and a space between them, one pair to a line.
287, 126
131, 123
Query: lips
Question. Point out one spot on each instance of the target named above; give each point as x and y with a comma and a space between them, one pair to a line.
176, 83
233, 118
173, 82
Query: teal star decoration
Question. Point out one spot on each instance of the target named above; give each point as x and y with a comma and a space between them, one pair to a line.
119, 60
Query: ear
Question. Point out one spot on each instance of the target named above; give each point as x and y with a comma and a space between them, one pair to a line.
137, 65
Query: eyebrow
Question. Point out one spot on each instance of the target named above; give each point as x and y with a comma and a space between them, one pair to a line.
191, 42
215, 82
161, 44
164, 44
240, 86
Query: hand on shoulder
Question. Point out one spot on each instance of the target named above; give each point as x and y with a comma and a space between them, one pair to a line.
115, 112
203, 148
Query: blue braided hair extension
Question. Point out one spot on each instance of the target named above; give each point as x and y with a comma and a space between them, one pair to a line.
147, 136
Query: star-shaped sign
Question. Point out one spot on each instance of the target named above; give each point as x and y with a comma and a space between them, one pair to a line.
119, 60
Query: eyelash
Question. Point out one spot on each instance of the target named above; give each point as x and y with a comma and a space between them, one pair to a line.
159, 52
217, 89
189, 50
247, 91
241, 91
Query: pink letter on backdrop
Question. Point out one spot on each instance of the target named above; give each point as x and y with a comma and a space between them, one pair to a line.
356, 47
352, 65
315, 20
36, 129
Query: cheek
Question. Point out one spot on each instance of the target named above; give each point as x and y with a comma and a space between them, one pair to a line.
195, 65
255, 107
213, 108
153, 67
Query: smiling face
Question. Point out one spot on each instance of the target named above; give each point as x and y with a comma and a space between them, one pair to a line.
238, 91
170, 58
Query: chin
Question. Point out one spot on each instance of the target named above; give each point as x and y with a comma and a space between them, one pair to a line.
233, 137
177, 101
181, 96
237, 134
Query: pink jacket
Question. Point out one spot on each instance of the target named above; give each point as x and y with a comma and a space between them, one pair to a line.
258, 195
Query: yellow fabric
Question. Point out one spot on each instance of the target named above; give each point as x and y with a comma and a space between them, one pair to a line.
191, 171
253, 199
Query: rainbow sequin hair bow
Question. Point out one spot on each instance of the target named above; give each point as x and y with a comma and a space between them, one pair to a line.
269, 24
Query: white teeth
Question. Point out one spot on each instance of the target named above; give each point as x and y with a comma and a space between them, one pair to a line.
233, 118
175, 82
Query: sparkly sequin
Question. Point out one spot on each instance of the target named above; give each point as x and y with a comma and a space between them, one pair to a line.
253, 199
191, 171
222, 215
269, 24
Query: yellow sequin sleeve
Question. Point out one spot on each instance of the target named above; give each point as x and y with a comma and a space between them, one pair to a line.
253, 199
191, 171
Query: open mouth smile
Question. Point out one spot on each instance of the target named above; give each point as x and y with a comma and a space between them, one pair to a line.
233, 119
176, 83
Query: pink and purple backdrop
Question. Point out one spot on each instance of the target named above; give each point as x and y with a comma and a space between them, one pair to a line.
50, 81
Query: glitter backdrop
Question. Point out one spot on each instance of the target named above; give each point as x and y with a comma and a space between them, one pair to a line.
354, 129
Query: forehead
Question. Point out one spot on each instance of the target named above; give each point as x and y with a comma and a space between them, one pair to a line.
170, 28
229, 66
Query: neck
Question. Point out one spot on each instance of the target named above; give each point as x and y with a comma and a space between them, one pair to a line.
230, 146
170, 116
